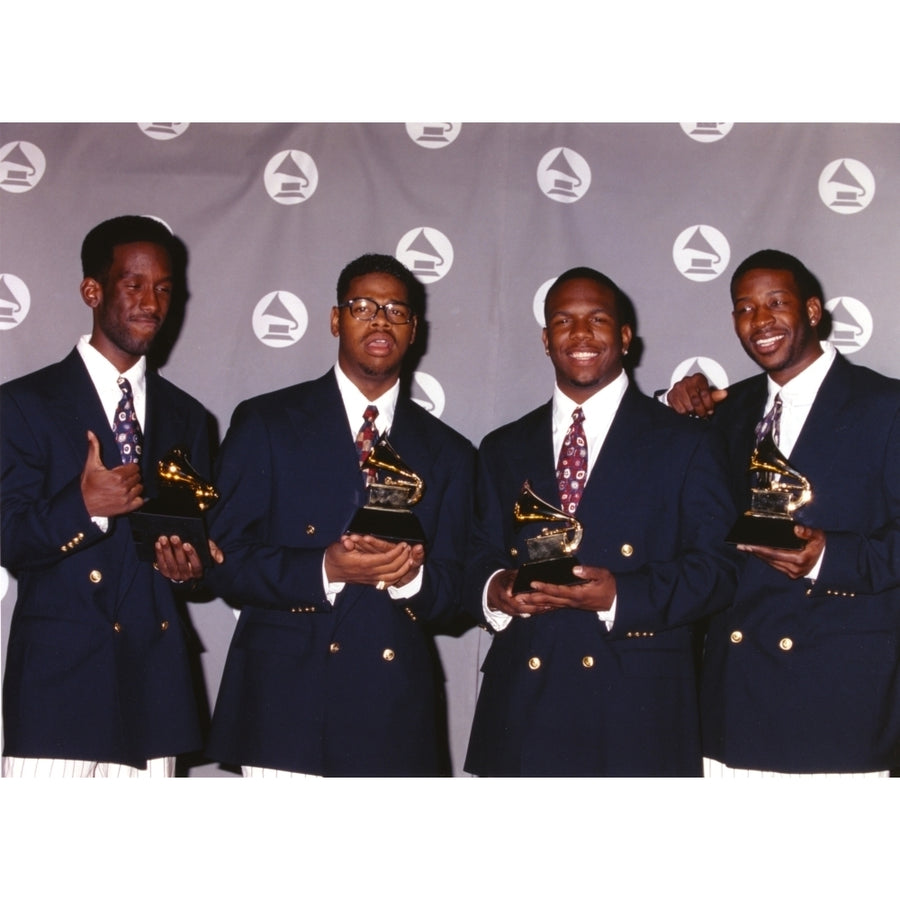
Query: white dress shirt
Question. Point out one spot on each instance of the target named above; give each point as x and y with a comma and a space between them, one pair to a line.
105, 377
599, 411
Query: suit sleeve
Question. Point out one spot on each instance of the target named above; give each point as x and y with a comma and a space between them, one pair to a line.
869, 563
701, 574
43, 520
487, 553
258, 570
445, 558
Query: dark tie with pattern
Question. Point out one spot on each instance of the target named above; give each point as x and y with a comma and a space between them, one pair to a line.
770, 422
365, 440
571, 470
126, 427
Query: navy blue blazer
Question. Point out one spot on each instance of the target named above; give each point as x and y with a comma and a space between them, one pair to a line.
98, 663
802, 677
562, 695
307, 687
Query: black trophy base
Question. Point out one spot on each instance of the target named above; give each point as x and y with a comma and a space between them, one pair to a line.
550, 571
153, 520
764, 531
395, 525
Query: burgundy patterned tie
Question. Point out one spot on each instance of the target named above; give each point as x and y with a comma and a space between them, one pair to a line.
365, 440
126, 427
571, 471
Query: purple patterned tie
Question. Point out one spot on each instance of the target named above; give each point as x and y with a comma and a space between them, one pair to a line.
126, 427
366, 439
571, 471
770, 422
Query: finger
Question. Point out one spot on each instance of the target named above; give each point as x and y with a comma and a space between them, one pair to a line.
93, 460
216, 553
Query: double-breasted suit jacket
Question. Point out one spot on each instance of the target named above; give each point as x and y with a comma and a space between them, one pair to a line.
348, 689
801, 676
97, 666
562, 695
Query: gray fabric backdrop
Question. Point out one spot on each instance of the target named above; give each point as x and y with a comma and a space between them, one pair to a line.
487, 215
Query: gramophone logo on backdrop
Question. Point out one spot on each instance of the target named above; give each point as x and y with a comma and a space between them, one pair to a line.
426, 390
537, 304
15, 301
291, 177
706, 132
563, 175
701, 253
280, 319
426, 252
851, 324
433, 135
846, 186
22, 166
4, 582
163, 131
714, 373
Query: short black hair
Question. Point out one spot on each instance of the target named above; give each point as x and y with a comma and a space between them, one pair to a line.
100, 242
370, 263
623, 306
807, 283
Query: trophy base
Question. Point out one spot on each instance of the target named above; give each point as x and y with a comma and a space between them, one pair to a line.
763, 531
154, 519
551, 571
395, 525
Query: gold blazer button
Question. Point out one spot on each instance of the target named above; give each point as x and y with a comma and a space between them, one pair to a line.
626, 550
534, 663
736, 637
96, 576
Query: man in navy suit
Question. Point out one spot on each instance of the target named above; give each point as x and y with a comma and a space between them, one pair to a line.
802, 672
597, 678
331, 670
98, 673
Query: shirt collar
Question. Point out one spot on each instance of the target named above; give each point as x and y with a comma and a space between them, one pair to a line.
355, 403
105, 376
598, 408
801, 390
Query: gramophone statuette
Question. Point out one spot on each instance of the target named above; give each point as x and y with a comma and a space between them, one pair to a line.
551, 553
396, 488
183, 495
777, 491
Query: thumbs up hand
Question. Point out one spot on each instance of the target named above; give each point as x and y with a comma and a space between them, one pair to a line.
109, 492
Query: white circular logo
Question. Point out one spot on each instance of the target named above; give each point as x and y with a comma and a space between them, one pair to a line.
433, 135
22, 165
291, 177
851, 324
426, 252
846, 186
426, 390
163, 131
714, 373
563, 175
15, 301
4, 582
701, 253
537, 305
280, 319
706, 132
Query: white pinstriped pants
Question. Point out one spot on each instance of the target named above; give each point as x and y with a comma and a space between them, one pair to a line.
19, 767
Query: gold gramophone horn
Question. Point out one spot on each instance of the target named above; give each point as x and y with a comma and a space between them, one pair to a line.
531, 508
384, 457
175, 469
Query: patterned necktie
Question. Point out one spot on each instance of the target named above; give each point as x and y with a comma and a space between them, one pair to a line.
571, 471
126, 427
770, 422
365, 440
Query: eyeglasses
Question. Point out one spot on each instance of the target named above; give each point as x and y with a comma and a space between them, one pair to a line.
364, 309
